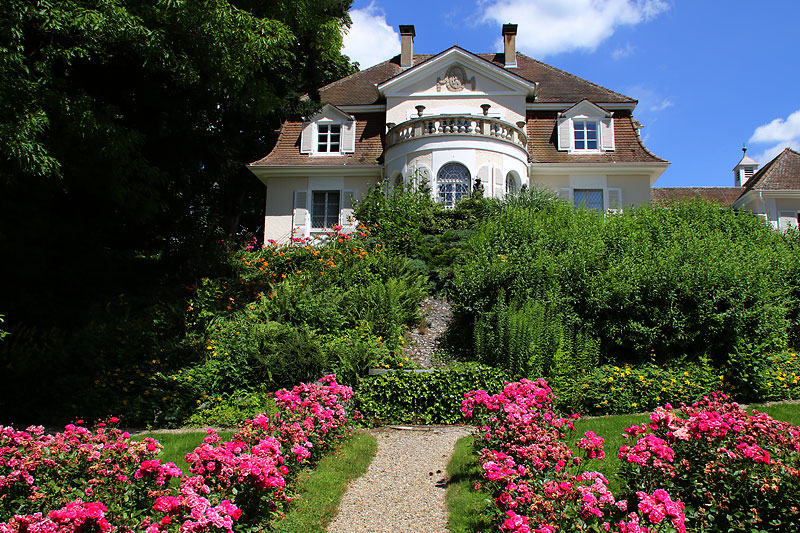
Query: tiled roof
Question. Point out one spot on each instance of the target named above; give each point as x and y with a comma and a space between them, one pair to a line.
368, 145
555, 85
720, 195
782, 173
543, 142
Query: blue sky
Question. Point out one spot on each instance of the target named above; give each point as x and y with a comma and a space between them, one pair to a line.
709, 75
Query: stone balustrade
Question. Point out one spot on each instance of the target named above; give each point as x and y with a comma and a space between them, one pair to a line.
468, 125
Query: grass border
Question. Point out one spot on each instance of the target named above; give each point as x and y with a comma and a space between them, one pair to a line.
468, 509
319, 492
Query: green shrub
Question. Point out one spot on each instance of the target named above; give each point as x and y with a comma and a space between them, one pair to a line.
396, 217
430, 398
612, 389
693, 279
522, 338
233, 410
354, 351
245, 355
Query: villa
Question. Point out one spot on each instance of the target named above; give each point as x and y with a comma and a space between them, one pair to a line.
452, 121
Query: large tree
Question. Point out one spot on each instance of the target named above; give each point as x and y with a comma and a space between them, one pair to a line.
126, 124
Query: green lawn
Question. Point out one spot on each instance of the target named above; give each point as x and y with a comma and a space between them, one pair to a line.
319, 491
465, 505
177, 445
611, 429
788, 412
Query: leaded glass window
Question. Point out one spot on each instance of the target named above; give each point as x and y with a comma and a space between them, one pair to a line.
453, 181
512, 187
588, 198
324, 209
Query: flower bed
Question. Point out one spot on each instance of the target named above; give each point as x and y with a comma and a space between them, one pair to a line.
539, 484
734, 471
103, 480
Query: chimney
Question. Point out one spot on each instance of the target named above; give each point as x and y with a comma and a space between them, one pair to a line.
510, 42
407, 35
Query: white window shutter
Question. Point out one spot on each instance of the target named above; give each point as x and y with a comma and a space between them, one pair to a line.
787, 220
307, 138
565, 194
615, 200
346, 219
498, 183
349, 137
564, 134
300, 218
607, 133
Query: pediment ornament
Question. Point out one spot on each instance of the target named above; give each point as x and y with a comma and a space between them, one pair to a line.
455, 80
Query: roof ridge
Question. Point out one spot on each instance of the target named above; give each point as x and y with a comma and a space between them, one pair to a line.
761, 172
354, 74
551, 67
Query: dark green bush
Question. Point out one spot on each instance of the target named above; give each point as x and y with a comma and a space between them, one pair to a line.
246, 354
430, 398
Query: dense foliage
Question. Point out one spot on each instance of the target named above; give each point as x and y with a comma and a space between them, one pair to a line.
125, 130
652, 284
280, 314
105, 480
423, 397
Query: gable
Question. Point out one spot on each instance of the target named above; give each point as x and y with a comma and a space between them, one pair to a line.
782, 173
331, 113
585, 108
456, 71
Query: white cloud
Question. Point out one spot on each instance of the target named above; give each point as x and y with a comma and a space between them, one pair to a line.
769, 154
780, 133
649, 100
778, 130
370, 40
661, 106
623, 52
549, 27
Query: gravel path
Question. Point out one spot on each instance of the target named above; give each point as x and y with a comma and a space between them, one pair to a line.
403, 489
423, 341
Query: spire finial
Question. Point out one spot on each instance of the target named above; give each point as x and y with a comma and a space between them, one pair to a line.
744, 149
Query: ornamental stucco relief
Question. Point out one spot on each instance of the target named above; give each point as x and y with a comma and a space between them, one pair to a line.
455, 80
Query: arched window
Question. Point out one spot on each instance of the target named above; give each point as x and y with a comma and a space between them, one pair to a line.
512, 184
452, 183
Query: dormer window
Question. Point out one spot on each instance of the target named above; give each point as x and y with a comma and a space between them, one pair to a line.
328, 137
329, 132
584, 134
585, 128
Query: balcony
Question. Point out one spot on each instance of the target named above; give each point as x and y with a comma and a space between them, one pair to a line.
449, 125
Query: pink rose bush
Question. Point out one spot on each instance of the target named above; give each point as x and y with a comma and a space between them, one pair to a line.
539, 483
104, 480
735, 471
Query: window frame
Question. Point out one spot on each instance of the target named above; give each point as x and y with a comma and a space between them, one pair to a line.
450, 198
603, 200
573, 131
327, 216
328, 134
